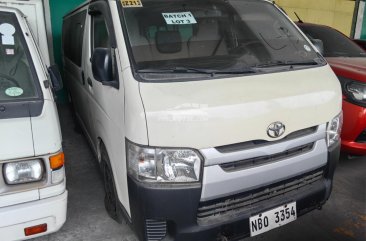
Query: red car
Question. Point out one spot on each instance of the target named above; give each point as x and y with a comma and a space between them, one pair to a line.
348, 60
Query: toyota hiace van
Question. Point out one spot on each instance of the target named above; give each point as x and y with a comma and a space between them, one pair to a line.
211, 120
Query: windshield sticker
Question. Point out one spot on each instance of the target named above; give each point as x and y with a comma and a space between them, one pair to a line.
7, 31
179, 18
131, 4
14, 91
9, 51
307, 48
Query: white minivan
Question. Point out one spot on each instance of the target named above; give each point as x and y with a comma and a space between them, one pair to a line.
33, 197
211, 119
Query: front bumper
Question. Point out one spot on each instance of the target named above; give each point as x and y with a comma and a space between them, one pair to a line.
50, 211
173, 210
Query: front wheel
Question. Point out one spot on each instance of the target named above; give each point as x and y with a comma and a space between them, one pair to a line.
110, 198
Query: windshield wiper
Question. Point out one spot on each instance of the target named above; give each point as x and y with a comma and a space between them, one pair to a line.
237, 71
178, 70
186, 70
286, 63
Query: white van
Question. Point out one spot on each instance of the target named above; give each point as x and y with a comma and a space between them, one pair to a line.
211, 119
33, 197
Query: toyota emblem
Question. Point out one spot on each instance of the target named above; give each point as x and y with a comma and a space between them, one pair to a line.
276, 129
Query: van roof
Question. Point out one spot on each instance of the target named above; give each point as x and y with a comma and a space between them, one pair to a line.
81, 6
11, 9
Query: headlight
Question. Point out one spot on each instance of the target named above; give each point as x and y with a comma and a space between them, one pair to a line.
163, 165
334, 129
355, 91
23, 171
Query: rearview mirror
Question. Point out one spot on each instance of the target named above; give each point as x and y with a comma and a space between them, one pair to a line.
55, 77
102, 67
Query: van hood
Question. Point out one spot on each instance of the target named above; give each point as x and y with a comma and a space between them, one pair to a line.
211, 113
30, 136
354, 68
16, 140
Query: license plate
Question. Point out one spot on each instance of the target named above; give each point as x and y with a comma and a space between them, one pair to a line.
271, 219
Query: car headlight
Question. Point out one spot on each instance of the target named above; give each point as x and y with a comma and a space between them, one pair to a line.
357, 91
334, 129
23, 171
162, 164
354, 91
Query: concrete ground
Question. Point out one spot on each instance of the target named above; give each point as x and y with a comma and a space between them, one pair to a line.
343, 218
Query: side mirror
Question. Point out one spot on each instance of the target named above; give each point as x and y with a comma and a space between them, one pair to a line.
318, 45
55, 76
102, 67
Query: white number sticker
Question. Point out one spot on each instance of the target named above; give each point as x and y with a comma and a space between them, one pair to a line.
179, 18
131, 4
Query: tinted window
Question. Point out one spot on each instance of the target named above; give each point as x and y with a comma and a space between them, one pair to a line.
100, 33
335, 43
17, 74
225, 35
72, 37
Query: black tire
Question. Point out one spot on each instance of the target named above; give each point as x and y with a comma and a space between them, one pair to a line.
110, 198
77, 127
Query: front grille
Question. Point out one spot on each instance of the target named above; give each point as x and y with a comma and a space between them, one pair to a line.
257, 161
225, 208
155, 230
259, 143
362, 137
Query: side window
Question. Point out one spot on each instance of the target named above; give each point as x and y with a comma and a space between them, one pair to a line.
73, 36
100, 35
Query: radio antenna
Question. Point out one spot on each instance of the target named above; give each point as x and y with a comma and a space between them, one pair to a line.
300, 21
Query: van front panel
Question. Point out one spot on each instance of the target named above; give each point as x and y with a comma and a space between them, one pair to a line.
212, 113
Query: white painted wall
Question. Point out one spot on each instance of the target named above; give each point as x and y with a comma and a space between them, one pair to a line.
359, 22
38, 17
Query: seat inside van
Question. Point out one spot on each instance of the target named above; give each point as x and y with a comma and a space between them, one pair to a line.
206, 39
154, 41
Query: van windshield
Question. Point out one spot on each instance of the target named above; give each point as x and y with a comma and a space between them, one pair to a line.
16, 79
213, 36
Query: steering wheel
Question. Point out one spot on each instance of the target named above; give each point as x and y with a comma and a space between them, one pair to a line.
7, 81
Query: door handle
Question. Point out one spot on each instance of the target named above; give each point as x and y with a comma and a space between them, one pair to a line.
82, 77
90, 82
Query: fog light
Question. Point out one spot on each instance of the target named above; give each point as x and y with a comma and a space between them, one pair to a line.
23, 172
